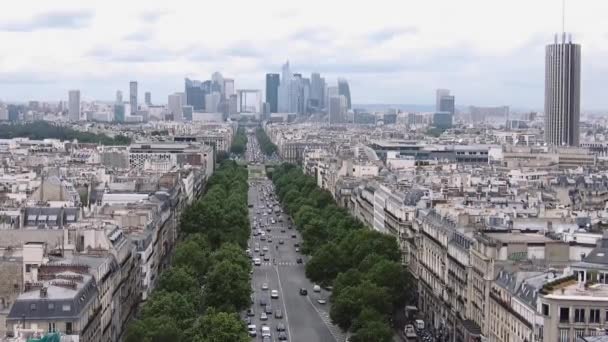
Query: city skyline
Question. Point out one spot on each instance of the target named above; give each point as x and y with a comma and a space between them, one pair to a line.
403, 62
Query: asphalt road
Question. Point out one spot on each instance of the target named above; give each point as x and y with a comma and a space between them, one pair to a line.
305, 319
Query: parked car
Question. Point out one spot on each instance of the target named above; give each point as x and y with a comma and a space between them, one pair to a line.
253, 330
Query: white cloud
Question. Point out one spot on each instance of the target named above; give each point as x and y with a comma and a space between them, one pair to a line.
397, 51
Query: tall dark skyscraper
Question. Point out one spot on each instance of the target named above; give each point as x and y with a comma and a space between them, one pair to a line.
344, 89
272, 91
195, 95
562, 92
148, 98
447, 104
133, 97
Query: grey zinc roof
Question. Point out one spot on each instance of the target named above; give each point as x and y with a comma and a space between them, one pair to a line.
60, 303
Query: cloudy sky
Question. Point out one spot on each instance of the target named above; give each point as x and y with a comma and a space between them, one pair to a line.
392, 51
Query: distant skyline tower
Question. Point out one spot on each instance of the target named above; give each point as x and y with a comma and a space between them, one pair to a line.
439, 93
344, 89
118, 96
74, 105
175, 106
562, 92
148, 98
285, 90
195, 94
447, 103
133, 97
272, 91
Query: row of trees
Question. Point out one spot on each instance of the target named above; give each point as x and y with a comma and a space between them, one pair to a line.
44, 130
200, 296
265, 144
239, 142
363, 266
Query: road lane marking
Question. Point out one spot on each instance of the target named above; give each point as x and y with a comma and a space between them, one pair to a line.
283, 302
329, 327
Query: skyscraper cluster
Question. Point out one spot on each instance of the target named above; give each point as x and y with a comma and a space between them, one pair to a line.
289, 92
212, 96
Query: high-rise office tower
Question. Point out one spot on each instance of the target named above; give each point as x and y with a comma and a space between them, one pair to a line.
439, 94
133, 97
118, 96
329, 93
335, 107
74, 105
285, 89
212, 102
272, 91
344, 89
317, 84
175, 106
218, 82
228, 87
447, 103
119, 112
148, 98
195, 96
562, 92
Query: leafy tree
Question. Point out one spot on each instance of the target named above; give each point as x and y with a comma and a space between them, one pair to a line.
347, 305
46, 130
217, 326
178, 279
227, 287
172, 304
154, 329
322, 267
374, 330
191, 255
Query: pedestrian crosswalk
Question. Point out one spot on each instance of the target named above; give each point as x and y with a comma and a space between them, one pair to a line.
280, 263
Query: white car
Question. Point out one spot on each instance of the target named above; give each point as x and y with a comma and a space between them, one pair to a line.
316, 288
264, 286
252, 330
257, 261
274, 294
265, 331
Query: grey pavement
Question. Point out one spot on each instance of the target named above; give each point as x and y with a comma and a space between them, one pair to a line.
305, 319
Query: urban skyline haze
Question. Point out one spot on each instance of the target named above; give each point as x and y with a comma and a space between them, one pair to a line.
388, 54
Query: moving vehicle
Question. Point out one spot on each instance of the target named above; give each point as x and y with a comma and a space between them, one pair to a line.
303, 291
263, 316
265, 331
299, 260
252, 330
282, 336
410, 332
321, 301
280, 327
278, 314
268, 309
274, 294
264, 286
316, 288
250, 312
257, 262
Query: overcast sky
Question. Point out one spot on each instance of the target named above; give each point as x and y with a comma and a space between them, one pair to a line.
391, 51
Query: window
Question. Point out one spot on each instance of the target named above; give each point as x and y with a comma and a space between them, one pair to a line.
51, 306
579, 315
66, 307
51, 326
28, 268
564, 335
579, 333
564, 314
33, 306
594, 316
68, 328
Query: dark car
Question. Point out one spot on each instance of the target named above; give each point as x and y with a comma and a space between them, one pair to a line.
268, 309
250, 312
280, 327
293, 236
299, 260
303, 291
278, 314
282, 336
296, 244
